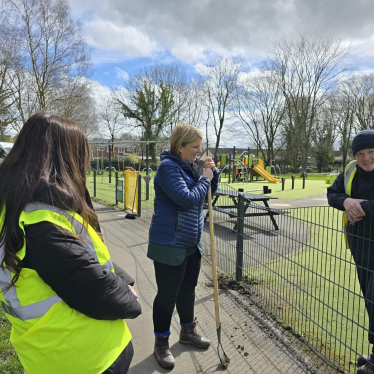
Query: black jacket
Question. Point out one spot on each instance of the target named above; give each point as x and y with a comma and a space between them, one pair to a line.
62, 261
362, 188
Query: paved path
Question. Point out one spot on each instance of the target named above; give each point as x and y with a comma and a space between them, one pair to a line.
262, 352
309, 201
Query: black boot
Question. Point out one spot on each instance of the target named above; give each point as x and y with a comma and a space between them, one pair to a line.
362, 360
368, 368
162, 352
189, 335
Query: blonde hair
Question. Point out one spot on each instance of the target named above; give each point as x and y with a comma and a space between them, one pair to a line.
182, 135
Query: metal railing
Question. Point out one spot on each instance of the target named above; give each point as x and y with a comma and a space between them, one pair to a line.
303, 273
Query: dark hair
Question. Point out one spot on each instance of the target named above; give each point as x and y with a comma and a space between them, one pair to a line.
46, 164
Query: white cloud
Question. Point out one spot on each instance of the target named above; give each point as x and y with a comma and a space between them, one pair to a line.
188, 52
122, 74
194, 29
106, 35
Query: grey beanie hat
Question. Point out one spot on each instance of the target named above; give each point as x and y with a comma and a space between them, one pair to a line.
364, 139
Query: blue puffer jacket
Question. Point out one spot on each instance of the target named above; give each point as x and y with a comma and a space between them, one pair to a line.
178, 218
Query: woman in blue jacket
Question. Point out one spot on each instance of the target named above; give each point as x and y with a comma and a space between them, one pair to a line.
181, 184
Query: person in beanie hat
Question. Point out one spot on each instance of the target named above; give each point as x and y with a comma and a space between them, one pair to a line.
363, 140
353, 193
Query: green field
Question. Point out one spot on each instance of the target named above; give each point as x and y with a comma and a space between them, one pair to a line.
314, 185
318, 283
9, 363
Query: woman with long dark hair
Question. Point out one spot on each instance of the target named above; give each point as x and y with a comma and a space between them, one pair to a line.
59, 287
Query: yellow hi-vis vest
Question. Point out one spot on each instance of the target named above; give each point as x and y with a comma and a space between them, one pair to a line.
49, 336
349, 173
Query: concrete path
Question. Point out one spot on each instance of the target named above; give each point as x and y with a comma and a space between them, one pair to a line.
251, 346
309, 201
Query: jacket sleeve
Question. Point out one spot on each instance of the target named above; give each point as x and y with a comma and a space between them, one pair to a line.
336, 193
63, 263
368, 207
171, 181
123, 274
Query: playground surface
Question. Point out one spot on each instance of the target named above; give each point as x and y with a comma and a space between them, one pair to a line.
252, 344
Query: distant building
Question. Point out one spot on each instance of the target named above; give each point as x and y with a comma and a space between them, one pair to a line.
99, 148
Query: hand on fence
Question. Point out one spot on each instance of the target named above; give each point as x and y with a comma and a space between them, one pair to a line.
354, 209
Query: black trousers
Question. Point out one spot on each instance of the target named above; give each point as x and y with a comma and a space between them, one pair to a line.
175, 287
122, 364
362, 249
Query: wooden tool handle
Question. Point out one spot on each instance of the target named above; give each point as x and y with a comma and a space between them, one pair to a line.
214, 259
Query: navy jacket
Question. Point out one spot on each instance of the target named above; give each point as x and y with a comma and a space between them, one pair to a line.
178, 218
362, 188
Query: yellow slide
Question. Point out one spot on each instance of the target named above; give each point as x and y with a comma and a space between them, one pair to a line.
260, 170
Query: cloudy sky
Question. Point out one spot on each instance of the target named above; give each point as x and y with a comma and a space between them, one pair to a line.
125, 35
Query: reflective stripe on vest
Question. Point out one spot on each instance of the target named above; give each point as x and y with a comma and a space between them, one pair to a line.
40, 308
349, 174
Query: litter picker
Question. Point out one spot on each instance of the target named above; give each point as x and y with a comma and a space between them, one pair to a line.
224, 359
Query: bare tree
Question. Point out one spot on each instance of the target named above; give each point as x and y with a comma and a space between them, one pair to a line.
154, 99
358, 91
220, 88
110, 117
50, 48
324, 135
260, 106
195, 110
7, 58
342, 120
308, 69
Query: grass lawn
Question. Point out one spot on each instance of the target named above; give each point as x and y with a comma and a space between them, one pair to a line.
9, 362
312, 187
316, 291
106, 191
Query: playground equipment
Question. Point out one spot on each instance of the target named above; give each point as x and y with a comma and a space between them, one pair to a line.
259, 168
245, 165
107, 168
147, 172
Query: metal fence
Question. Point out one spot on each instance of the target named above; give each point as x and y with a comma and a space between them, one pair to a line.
302, 273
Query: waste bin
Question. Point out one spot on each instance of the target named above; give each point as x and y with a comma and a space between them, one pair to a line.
328, 179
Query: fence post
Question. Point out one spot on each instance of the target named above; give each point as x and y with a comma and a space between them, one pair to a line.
283, 182
233, 166
304, 174
229, 160
139, 195
115, 189
293, 181
110, 162
239, 238
94, 183
147, 166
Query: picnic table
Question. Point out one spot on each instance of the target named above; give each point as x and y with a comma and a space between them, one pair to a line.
232, 210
